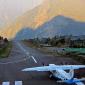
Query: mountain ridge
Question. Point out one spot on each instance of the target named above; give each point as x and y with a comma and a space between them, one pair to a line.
62, 25
59, 25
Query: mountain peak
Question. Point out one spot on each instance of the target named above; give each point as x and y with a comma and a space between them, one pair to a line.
44, 13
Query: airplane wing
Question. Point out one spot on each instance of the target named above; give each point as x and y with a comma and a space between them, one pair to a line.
67, 67
75, 80
43, 68
80, 83
52, 67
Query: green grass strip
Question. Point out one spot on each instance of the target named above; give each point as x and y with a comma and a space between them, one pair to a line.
4, 52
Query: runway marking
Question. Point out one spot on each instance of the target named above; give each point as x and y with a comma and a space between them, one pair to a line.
27, 53
9, 83
18, 82
6, 83
34, 59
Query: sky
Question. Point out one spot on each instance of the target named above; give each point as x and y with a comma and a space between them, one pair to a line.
10, 9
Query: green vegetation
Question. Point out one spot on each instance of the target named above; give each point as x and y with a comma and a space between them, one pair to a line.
4, 52
79, 50
76, 53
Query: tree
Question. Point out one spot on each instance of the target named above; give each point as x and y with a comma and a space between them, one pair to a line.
1, 38
5, 40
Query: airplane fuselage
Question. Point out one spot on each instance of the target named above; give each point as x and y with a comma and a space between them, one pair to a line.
61, 74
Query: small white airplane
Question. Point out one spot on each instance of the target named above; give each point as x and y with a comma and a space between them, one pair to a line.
59, 71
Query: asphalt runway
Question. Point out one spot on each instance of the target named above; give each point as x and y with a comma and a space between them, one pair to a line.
22, 57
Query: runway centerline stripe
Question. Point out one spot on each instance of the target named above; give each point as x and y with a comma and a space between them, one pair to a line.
23, 49
6, 83
34, 59
18, 82
26, 52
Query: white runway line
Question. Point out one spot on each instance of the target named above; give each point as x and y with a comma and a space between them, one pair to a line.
6, 83
26, 52
9, 83
18, 82
21, 47
34, 59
